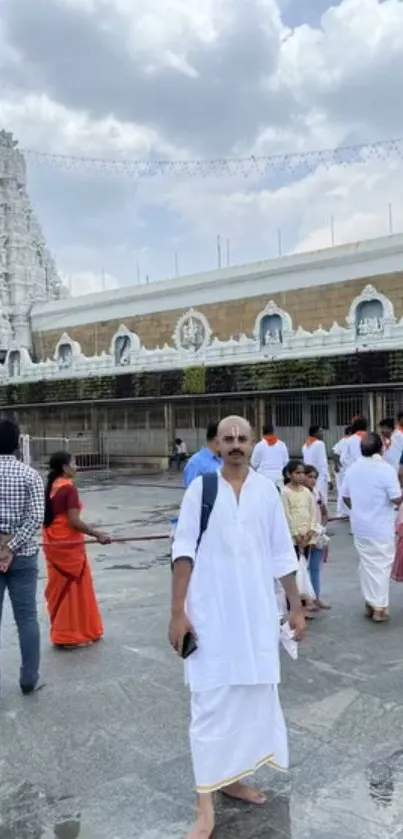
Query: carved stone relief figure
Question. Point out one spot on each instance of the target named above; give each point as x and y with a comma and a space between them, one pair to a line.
14, 363
65, 356
122, 350
192, 334
369, 318
271, 331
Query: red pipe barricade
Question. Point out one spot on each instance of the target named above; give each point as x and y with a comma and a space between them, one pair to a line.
153, 537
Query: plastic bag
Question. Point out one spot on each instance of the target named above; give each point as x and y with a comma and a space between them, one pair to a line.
322, 539
304, 584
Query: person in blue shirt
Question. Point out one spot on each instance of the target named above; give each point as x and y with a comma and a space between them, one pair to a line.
205, 460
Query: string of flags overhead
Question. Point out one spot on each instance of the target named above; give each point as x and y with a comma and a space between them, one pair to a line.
296, 163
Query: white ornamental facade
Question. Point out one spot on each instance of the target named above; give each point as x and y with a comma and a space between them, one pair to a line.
28, 272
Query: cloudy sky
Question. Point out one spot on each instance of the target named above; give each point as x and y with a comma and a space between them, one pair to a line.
201, 79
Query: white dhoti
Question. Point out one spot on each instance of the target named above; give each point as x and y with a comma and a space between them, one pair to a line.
342, 510
234, 731
376, 560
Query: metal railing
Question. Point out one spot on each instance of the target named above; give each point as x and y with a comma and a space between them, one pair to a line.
89, 456
36, 451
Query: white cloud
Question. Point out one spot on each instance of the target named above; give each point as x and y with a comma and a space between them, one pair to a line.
354, 199
214, 77
352, 66
86, 282
49, 126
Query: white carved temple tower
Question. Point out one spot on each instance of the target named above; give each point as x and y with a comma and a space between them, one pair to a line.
28, 272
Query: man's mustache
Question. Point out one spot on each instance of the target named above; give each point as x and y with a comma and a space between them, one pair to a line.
235, 451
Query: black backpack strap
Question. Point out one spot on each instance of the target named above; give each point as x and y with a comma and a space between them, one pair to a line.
209, 495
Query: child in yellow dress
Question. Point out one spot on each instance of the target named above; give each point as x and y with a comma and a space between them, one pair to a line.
300, 511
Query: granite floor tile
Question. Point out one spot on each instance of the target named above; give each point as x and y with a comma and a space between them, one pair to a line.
103, 751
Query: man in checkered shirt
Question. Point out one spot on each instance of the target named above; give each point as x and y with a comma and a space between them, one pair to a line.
21, 516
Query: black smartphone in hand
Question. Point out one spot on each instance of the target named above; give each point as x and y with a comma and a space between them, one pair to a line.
189, 645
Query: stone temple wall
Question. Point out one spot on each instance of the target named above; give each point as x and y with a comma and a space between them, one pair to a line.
310, 308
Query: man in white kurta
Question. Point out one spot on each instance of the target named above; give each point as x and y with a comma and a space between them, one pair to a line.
339, 451
226, 596
391, 443
270, 456
371, 488
352, 450
314, 454
398, 432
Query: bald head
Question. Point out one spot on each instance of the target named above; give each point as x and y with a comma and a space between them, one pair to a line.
234, 424
235, 441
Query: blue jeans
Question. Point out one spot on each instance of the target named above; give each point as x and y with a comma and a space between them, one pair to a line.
315, 561
21, 582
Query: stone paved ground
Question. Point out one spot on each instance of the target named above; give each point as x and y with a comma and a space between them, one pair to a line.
102, 751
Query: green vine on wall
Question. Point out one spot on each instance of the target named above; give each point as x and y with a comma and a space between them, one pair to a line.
370, 368
194, 380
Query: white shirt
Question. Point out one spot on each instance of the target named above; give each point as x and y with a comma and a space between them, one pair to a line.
352, 450
340, 450
397, 438
315, 455
231, 597
372, 484
270, 460
393, 452
182, 448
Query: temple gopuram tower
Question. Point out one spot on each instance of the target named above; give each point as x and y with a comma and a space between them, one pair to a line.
28, 272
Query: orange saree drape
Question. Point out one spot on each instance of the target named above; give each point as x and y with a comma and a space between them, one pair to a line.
73, 609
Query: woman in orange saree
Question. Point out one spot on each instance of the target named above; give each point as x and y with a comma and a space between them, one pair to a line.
75, 619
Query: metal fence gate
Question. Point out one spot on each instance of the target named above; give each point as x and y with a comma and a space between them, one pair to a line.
132, 436
36, 451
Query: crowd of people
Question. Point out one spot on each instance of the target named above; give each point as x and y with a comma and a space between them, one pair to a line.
248, 555
247, 560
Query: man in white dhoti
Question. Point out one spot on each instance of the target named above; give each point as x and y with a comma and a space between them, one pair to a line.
340, 470
371, 489
314, 454
224, 594
270, 456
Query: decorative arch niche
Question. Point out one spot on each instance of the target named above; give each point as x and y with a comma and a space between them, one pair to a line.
14, 363
66, 352
272, 326
124, 343
369, 312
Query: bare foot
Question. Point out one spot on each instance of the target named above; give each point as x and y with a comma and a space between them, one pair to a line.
204, 827
380, 615
321, 604
241, 792
369, 610
312, 606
